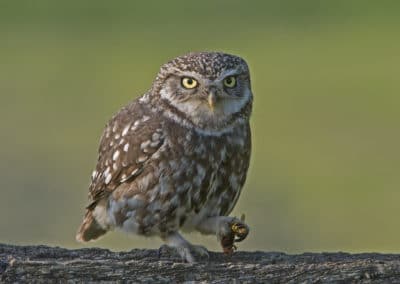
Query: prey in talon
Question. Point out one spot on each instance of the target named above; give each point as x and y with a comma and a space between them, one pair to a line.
175, 159
238, 232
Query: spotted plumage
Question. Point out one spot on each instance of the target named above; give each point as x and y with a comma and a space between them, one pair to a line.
176, 158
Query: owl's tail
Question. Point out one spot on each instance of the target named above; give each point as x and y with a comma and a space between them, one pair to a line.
90, 229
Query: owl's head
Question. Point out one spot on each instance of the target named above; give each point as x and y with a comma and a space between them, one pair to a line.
209, 89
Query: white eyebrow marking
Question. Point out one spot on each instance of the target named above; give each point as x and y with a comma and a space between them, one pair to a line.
230, 72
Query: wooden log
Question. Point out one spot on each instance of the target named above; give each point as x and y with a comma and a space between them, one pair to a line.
43, 264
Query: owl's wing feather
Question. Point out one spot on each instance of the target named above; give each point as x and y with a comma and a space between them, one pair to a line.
129, 140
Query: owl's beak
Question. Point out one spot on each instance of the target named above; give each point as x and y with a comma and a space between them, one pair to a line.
212, 99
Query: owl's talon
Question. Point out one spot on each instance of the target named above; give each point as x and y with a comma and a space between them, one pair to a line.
189, 254
193, 253
200, 251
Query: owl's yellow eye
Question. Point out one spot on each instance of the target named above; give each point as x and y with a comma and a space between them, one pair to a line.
189, 83
230, 81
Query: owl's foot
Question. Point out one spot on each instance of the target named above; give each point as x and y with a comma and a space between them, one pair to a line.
200, 251
189, 254
229, 230
232, 232
175, 243
193, 253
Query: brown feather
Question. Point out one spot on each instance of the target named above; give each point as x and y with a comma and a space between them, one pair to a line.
89, 229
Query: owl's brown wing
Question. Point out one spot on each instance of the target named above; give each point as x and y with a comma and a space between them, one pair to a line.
130, 139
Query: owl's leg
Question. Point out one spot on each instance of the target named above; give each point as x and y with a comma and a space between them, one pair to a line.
183, 247
227, 229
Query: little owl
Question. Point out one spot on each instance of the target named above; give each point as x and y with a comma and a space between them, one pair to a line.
176, 158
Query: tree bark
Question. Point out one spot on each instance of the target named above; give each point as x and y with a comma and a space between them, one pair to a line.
43, 264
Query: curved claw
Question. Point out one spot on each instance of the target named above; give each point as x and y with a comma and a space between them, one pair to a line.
189, 253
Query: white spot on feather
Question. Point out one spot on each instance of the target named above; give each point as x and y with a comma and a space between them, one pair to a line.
145, 144
115, 127
107, 171
126, 147
141, 159
108, 179
126, 129
154, 144
116, 155
144, 99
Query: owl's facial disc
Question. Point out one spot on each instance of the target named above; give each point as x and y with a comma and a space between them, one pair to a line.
207, 101
189, 83
226, 94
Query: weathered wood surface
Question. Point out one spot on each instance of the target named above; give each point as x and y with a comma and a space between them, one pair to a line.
42, 264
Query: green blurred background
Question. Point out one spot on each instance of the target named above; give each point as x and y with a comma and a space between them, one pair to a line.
325, 173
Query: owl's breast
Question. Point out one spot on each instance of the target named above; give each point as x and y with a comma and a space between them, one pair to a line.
216, 169
191, 177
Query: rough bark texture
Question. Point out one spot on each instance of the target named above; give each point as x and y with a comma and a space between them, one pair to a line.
42, 264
